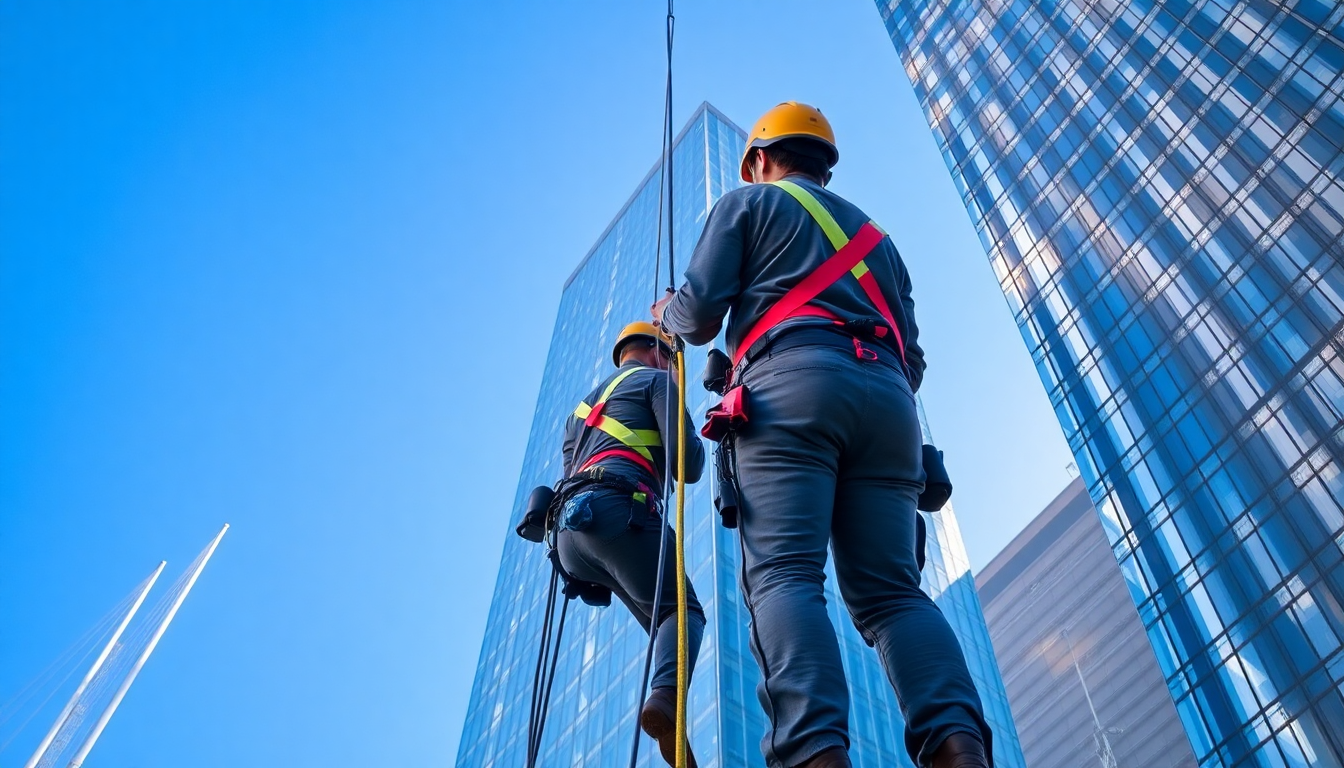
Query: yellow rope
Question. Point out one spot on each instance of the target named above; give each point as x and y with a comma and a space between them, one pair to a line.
682, 653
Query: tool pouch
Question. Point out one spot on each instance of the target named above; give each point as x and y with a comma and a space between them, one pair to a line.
728, 415
533, 525
937, 485
595, 595
718, 371
725, 489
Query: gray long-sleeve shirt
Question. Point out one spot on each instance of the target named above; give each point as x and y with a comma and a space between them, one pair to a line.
757, 244
639, 402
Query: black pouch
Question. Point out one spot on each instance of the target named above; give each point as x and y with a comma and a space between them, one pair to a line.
937, 485
533, 526
725, 488
717, 370
595, 595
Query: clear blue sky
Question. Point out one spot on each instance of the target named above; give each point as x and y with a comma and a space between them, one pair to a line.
293, 266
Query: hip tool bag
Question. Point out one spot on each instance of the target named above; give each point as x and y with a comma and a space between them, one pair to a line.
538, 524
730, 415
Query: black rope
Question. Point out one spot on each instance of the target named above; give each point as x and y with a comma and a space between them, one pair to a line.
543, 678
667, 162
665, 173
664, 193
533, 737
550, 677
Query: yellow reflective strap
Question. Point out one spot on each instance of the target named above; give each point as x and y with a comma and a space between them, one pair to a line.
649, 437
621, 432
822, 216
615, 382
859, 270
627, 437
583, 409
637, 440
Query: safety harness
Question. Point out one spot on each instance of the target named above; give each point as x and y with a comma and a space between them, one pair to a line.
849, 257
635, 442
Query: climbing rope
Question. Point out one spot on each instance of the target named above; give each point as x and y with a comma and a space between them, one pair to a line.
683, 679
666, 206
543, 678
549, 647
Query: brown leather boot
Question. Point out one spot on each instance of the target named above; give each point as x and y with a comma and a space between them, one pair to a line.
835, 757
960, 750
658, 718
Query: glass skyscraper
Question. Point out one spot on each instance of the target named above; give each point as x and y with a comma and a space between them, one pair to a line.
592, 710
1157, 185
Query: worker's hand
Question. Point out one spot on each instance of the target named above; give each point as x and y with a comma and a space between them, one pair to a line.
658, 306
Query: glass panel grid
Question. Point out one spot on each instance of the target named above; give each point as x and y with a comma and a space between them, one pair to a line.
1157, 185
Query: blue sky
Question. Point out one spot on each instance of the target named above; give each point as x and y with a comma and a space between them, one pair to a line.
293, 266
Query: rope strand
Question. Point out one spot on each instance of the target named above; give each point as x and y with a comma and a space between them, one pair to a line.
666, 204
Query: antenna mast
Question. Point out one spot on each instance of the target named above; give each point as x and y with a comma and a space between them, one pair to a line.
93, 670
1099, 736
144, 655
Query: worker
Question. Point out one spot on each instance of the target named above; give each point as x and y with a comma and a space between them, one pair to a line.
828, 448
617, 448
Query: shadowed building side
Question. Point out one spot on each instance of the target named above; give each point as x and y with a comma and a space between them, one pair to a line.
1061, 617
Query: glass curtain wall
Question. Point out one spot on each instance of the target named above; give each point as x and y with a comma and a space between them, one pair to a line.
1157, 186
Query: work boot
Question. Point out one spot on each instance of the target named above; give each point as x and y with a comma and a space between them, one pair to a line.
960, 750
835, 757
658, 718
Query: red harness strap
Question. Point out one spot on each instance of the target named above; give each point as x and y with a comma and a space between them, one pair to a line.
793, 303
624, 453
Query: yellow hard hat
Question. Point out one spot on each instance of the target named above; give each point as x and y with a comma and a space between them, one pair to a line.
639, 330
791, 120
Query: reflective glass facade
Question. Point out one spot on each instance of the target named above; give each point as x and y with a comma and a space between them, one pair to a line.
1157, 185
592, 712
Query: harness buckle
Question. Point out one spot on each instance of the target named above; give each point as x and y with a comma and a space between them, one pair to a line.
862, 352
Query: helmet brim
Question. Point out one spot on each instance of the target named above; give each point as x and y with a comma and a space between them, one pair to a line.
812, 146
621, 345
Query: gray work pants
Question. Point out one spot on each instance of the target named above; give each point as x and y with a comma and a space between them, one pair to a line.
608, 551
832, 455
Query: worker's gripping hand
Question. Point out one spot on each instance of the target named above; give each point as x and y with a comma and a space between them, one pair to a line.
658, 306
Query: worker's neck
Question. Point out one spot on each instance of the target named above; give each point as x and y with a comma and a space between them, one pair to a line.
774, 173
804, 177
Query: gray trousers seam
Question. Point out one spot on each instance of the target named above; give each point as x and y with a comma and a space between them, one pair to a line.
756, 642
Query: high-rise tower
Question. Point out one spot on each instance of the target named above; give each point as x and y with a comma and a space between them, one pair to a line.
592, 710
1157, 185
